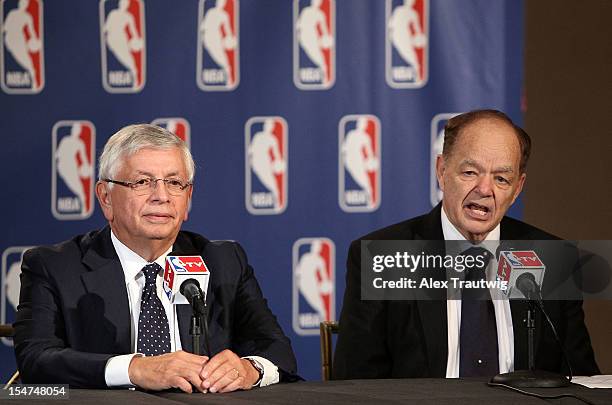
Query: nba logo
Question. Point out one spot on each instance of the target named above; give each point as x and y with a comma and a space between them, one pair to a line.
218, 67
10, 285
22, 46
359, 163
123, 45
436, 146
314, 44
513, 260
406, 47
178, 126
73, 162
314, 292
265, 145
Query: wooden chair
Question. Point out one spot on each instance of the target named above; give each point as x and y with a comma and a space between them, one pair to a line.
328, 328
8, 331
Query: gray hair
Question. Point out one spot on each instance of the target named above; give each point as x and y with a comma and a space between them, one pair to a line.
131, 139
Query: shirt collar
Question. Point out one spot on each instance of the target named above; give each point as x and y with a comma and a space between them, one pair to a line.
131, 262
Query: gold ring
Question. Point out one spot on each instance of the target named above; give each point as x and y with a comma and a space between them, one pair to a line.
237, 373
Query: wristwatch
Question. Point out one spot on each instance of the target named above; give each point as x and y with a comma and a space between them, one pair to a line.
257, 365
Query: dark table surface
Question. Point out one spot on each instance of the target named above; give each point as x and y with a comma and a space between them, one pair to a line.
353, 392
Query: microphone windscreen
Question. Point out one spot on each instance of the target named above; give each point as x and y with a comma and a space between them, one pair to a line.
191, 285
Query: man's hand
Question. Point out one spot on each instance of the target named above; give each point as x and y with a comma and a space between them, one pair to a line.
171, 370
227, 372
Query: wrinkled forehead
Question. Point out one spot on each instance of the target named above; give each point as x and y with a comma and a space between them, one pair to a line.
489, 138
489, 130
151, 161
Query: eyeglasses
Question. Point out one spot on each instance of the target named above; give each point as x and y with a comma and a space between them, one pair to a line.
147, 185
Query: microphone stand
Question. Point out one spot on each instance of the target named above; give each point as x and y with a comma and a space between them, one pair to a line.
531, 334
531, 378
190, 288
195, 330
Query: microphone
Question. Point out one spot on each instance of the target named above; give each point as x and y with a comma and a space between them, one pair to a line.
190, 289
526, 284
178, 270
183, 277
512, 264
524, 272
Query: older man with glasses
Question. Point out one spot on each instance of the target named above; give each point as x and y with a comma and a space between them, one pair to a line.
93, 314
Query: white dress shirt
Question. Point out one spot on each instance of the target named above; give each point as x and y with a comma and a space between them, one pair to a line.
116, 371
503, 316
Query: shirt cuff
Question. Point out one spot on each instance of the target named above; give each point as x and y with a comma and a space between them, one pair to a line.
270, 371
116, 372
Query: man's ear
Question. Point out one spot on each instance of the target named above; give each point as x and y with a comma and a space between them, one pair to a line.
519, 188
104, 198
440, 168
189, 195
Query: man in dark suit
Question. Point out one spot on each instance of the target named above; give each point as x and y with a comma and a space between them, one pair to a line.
481, 172
92, 310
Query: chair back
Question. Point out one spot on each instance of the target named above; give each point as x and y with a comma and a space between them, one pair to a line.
8, 331
328, 328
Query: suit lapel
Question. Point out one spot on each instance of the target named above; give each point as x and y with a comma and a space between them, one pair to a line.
105, 284
519, 320
435, 329
183, 313
433, 312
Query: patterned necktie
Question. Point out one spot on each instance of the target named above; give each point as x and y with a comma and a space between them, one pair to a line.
478, 332
153, 329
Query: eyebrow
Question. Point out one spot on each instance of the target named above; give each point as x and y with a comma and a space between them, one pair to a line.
174, 173
502, 169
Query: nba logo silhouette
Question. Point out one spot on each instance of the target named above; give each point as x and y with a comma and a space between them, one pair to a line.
314, 291
406, 45
265, 146
123, 45
73, 162
178, 126
22, 46
314, 44
359, 163
436, 145
10, 285
218, 67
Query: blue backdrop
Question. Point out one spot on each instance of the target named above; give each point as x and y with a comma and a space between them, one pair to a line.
311, 123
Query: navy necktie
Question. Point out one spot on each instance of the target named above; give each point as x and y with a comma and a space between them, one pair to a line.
153, 329
479, 354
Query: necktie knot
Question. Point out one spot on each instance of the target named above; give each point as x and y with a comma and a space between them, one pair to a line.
150, 272
481, 258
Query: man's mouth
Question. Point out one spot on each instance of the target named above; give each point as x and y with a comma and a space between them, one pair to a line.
158, 217
477, 211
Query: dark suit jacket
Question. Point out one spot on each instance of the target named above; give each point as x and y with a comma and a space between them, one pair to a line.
74, 312
395, 339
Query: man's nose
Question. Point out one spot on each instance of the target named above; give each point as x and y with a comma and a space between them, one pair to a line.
159, 191
485, 186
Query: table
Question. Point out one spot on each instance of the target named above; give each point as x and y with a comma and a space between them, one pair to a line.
353, 392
